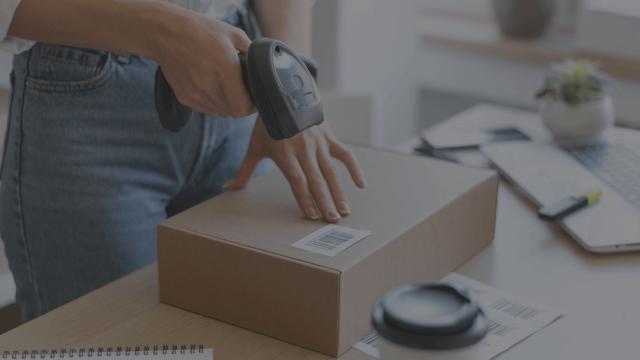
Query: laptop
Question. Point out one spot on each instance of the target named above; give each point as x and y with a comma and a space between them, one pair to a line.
546, 173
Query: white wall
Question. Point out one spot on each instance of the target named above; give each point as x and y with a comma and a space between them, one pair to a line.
369, 49
325, 35
506, 81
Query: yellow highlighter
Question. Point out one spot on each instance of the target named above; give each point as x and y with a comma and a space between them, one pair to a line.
567, 206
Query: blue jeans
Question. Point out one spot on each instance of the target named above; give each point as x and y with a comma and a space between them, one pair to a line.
89, 172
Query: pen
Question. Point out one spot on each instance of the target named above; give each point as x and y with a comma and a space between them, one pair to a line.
567, 206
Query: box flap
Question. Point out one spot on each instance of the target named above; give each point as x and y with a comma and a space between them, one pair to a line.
402, 191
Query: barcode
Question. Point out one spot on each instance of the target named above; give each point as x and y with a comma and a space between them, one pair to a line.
499, 329
371, 339
369, 345
517, 310
331, 240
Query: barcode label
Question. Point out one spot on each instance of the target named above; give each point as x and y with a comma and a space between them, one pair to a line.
331, 240
371, 339
369, 345
516, 310
499, 329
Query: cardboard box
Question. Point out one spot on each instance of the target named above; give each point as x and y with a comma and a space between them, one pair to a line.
231, 258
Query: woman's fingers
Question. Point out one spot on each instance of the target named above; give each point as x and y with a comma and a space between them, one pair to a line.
318, 185
340, 152
307, 164
216, 101
298, 183
239, 39
202, 66
236, 94
200, 104
245, 173
337, 193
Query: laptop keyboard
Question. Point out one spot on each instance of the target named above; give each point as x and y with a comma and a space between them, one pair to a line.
615, 164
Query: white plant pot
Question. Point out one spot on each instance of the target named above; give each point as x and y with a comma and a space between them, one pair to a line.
582, 124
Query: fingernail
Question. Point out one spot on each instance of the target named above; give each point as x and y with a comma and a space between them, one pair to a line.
343, 208
333, 216
362, 183
312, 214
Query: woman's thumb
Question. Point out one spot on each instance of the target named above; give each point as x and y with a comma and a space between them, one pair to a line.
244, 174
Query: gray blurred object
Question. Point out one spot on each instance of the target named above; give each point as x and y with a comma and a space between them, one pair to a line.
524, 19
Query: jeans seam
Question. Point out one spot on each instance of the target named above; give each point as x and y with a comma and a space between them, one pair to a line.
19, 206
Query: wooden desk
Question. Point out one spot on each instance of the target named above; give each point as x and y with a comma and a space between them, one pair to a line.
599, 296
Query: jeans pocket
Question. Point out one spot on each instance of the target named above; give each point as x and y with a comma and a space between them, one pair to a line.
61, 69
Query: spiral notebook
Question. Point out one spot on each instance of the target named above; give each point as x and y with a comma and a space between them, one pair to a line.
184, 352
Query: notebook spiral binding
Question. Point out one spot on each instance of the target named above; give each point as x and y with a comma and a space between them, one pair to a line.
102, 352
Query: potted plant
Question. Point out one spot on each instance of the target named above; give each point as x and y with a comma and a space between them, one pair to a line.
574, 103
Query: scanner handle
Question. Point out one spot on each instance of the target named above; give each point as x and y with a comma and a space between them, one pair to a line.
173, 115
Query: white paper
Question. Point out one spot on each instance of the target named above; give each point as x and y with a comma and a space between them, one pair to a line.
511, 319
331, 240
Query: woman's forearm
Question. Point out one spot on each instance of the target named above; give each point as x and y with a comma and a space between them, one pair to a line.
131, 26
288, 21
198, 55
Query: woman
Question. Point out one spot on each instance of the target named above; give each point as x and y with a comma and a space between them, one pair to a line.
88, 170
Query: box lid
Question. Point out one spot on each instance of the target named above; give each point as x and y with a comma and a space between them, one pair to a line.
402, 192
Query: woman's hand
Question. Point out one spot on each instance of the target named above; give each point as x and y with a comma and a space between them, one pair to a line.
305, 160
200, 61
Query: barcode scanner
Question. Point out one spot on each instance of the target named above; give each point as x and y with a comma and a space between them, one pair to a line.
280, 82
